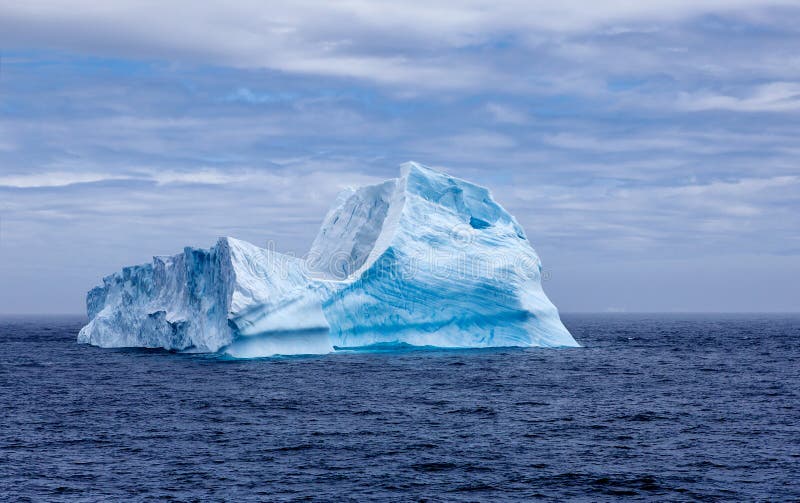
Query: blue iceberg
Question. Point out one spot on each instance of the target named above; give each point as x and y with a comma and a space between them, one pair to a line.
425, 259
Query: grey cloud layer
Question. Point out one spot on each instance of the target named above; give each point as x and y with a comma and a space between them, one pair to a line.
637, 139
419, 44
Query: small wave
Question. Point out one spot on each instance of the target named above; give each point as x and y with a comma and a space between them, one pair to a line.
434, 466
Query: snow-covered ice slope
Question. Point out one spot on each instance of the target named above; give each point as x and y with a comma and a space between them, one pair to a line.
425, 259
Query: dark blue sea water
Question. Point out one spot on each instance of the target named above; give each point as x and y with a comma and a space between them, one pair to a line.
654, 407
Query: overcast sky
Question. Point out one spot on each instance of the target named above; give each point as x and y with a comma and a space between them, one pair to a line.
650, 149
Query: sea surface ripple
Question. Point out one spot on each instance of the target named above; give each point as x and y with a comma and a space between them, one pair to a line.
654, 407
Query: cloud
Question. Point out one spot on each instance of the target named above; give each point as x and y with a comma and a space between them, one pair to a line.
622, 143
772, 97
506, 114
419, 43
54, 179
245, 95
198, 176
657, 221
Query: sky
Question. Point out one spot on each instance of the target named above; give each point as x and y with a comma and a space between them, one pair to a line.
649, 149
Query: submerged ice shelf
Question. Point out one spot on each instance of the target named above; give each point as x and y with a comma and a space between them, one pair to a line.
425, 259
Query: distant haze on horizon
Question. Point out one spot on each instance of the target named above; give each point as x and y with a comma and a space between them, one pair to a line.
650, 150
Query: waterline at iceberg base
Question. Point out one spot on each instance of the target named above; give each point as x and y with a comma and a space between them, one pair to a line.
425, 259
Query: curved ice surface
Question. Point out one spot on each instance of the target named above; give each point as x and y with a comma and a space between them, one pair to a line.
425, 259
450, 267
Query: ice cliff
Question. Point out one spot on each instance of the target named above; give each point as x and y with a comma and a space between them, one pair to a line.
425, 259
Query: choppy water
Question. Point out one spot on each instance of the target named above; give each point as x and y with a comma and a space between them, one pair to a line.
654, 407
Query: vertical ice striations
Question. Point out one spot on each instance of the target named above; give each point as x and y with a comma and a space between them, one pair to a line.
425, 259
449, 267
176, 302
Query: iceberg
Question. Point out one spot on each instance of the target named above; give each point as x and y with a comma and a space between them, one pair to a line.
425, 259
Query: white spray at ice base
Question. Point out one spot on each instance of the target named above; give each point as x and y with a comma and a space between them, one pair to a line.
425, 259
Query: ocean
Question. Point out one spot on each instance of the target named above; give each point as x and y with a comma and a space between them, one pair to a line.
653, 407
